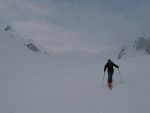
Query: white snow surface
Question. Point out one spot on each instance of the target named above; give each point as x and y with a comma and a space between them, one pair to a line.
36, 83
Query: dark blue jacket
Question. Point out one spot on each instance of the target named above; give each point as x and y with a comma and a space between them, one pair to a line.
109, 66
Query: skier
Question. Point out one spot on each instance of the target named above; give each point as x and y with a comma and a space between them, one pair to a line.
109, 66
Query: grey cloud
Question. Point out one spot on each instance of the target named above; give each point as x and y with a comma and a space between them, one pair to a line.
81, 24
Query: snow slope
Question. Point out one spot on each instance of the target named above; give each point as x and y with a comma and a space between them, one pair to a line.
36, 83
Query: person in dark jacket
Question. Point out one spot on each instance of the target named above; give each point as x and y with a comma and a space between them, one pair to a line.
109, 66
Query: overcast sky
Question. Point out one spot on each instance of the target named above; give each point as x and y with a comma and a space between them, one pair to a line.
90, 25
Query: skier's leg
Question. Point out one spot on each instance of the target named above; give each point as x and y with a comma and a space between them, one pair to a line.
110, 74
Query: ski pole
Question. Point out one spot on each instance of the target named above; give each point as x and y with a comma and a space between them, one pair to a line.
103, 78
120, 76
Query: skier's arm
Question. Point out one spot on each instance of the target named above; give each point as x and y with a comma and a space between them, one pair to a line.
105, 67
115, 65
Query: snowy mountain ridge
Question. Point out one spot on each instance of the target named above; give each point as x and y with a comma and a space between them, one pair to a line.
29, 43
118, 53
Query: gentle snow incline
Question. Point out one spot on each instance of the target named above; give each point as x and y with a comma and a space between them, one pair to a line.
33, 83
